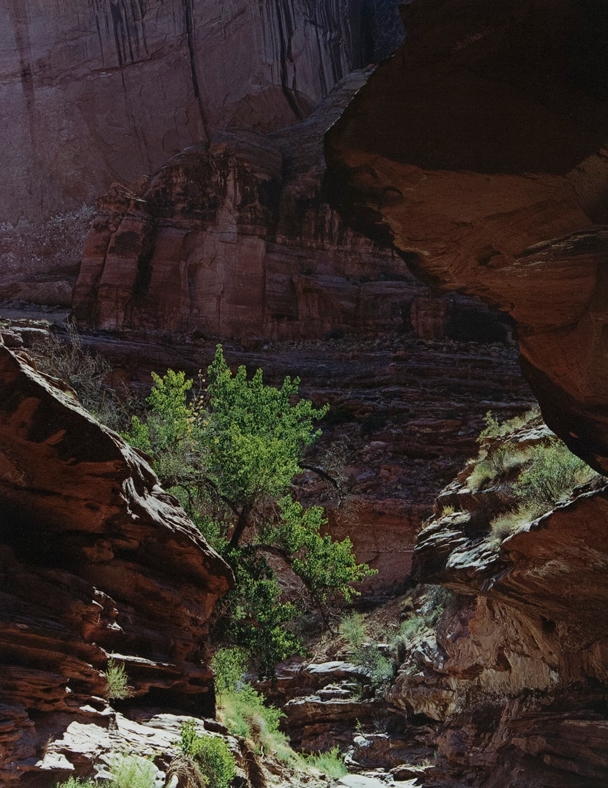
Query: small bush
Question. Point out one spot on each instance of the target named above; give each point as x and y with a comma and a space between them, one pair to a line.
353, 629
378, 664
498, 429
499, 459
86, 372
117, 681
553, 471
229, 665
330, 763
245, 714
508, 523
210, 754
132, 771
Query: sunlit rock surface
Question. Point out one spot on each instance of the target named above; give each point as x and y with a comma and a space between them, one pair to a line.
96, 560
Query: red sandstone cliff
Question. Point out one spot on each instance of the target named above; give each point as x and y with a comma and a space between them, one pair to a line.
96, 91
95, 560
516, 673
478, 153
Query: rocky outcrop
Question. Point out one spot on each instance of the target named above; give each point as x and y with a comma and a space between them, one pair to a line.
516, 673
108, 90
479, 154
235, 239
97, 561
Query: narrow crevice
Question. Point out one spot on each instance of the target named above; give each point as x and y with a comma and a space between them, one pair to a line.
283, 54
189, 25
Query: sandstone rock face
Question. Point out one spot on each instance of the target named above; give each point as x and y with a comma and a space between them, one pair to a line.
96, 561
96, 90
479, 153
518, 666
107, 89
235, 239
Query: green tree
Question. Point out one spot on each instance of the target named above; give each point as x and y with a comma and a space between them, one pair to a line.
229, 452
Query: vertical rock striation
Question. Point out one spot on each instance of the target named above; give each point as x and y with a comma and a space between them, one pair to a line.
98, 90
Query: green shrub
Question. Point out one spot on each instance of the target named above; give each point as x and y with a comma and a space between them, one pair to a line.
352, 629
229, 665
132, 771
245, 714
211, 755
379, 665
552, 472
129, 771
498, 429
117, 681
508, 523
330, 763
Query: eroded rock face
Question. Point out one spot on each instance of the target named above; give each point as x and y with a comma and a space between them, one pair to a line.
96, 90
478, 152
235, 239
95, 559
517, 671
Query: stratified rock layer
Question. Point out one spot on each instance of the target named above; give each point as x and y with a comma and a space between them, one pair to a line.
98, 90
235, 239
479, 153
517, 672
96, 560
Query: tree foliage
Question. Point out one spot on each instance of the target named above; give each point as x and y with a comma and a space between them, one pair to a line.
229, 451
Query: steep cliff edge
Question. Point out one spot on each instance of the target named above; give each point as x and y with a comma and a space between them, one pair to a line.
96, 560
478, 152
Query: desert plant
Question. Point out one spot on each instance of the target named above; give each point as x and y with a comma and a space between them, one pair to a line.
509, 522
127, 771
551, 473
230, 453
330, 763
352, 629
498, 429
117, 681
132, 771
211, 755
245, 713
86, 372
229, 665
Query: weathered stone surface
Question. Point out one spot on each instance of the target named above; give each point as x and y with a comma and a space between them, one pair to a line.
235, 239
94, 91
96, 560
518, 664
478, 152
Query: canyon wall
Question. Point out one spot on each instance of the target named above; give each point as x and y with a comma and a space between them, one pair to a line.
235, 239
479, 153
516, 673
98, 90
97, 562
